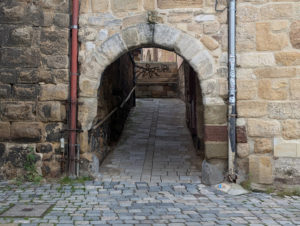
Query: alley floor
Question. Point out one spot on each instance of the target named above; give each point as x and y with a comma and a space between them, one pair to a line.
151, 178
155, 146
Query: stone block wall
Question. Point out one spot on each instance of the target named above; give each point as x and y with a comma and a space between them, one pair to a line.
116, 83
156, 80
34, 77
34, 62
268, 78
193, 29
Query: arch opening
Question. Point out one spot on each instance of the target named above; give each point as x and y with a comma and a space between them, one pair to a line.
153, 35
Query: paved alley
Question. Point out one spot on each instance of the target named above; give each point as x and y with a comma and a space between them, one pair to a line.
155, 146
151, 178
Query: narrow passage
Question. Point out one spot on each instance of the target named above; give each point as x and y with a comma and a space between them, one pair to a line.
155, 146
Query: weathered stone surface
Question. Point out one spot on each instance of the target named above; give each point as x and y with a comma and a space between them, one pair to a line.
54, 132
51, 111
215, 114
284, 110
263, 145
247, 13
54, 42
13, 57
273, 89
287, 58
241, 134
88, 87
99, 6
61, 20
263, 128
209, 42
266, 40
250, 60
180, 17
17, 111
295, 34
277, 11
9, 76
26, 131
5, 91
187, 46
54, 92
123, 5
286, 171
130, 37
245, 34
145, 32
291, 129
246, 89
25, 92
260, 169
213, 173
136, 19
295, 89
251, 109
275, 72
243, 150
170, 4
215, 133
204, 18
4, 130
84, 142
113, 47
28, 76
216, 150
87, 112
149, 4
165, 36
44, 148
285, 150
211, 27
17, 154
19, 36
57, 61
202, 63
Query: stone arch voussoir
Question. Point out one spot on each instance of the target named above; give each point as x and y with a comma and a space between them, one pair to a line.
138, 36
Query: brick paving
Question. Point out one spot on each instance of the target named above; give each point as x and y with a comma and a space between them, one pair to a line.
146, 196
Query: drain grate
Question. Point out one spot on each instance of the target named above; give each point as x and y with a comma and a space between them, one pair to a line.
26, 210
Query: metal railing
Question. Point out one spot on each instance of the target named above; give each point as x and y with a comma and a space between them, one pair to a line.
115, 109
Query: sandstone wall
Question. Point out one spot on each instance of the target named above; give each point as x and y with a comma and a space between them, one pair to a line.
34, 49
117, 82
193, 29
268, 78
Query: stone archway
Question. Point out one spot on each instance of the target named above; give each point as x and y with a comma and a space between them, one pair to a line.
138, 36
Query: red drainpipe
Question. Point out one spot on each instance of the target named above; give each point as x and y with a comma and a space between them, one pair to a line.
73, 88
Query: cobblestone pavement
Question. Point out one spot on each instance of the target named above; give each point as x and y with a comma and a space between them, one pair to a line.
140, 203
155, 146
143, 188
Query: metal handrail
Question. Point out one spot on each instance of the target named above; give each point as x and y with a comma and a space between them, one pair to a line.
115, 109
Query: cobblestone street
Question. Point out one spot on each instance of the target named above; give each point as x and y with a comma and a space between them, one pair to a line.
125, 203
155, 146
151, 178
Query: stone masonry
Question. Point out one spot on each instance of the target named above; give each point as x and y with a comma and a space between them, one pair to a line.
34, 49
34, 81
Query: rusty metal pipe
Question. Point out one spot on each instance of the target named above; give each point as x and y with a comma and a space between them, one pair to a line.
73, 89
